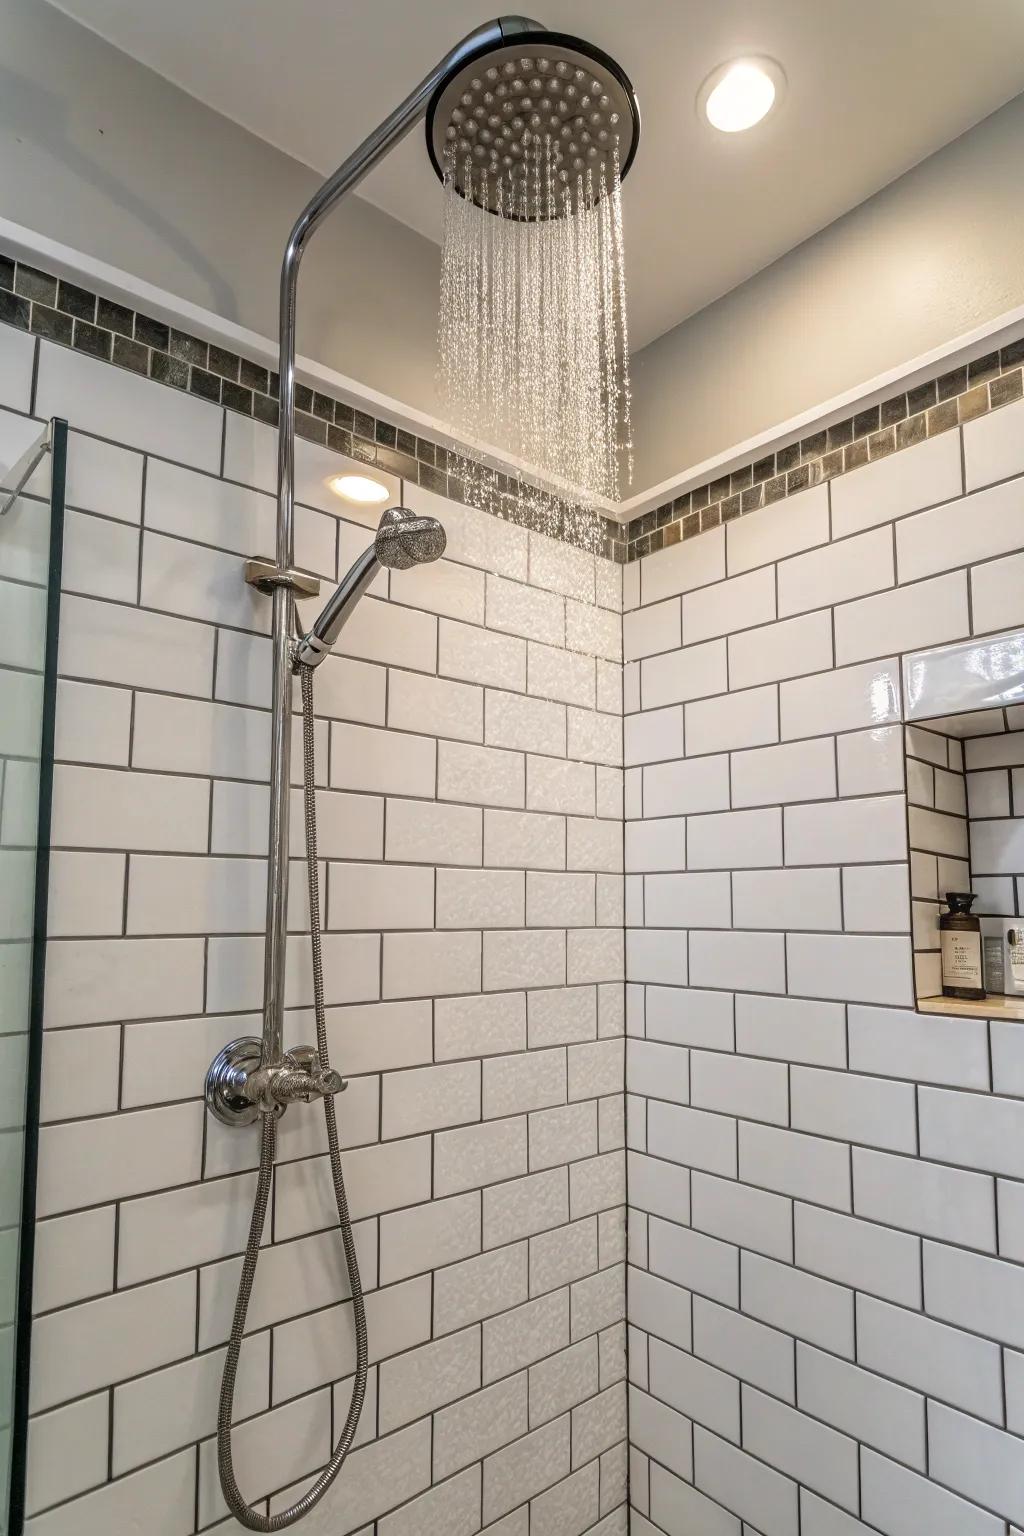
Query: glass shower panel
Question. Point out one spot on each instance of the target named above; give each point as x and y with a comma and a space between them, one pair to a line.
31, 525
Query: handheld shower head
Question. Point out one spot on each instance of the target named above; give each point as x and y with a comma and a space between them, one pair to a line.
403, 539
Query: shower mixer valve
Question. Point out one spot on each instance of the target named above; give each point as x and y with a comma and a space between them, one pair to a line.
298, 1078
239, 1087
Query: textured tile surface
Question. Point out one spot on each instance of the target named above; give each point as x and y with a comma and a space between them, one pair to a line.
825, 1288
489, 1235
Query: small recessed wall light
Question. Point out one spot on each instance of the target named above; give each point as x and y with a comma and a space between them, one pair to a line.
359, 488
735, 96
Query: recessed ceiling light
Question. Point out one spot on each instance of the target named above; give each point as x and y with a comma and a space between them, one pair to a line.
737, 95
359, 488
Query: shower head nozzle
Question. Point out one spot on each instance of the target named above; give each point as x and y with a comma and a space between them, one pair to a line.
534, 104
403, 539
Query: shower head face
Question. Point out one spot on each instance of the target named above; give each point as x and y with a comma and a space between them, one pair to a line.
404, 540
539, 100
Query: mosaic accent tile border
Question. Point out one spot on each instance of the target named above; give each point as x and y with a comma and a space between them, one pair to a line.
899, 422
59, 311
45, 305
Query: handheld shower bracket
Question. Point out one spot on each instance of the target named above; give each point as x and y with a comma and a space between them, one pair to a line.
265, 574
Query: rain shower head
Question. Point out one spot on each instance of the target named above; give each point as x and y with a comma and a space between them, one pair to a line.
534, 101
402, 540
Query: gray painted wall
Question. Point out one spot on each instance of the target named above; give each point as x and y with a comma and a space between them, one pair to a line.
939, 251
99, 152
103, 154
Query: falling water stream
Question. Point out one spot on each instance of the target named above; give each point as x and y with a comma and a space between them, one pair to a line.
533, 340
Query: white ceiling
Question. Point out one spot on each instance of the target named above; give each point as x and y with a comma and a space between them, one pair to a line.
874, 87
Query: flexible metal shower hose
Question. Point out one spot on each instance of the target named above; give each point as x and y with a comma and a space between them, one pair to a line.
250, 1518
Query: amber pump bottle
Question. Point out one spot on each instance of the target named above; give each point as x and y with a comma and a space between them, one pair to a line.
960, 943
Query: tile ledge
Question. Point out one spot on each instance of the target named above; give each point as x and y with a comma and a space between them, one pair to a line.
990, 1008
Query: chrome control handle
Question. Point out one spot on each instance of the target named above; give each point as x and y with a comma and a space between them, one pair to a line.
302, 1077
239, 1087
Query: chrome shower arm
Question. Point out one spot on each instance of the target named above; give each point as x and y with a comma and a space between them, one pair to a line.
316, 643
345, 178
348, 176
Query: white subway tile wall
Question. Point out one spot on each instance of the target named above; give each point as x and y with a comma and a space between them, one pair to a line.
826, 1189
471, 836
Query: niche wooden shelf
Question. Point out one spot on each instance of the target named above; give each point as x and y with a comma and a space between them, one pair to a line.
991, 1008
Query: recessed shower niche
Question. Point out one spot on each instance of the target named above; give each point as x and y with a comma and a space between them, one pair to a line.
965, 810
